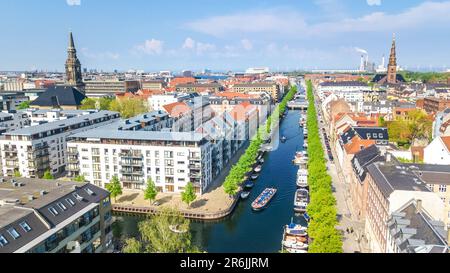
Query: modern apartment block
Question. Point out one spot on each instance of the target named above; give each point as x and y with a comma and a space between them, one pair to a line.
10, 121
38, 216
33, 150
100, 88
170, 159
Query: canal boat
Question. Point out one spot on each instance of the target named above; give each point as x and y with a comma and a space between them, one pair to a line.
245, 194
249, 185
263, 199
295, 239
296, 230
175, 229
258, 169
261, 161
283, 139
301, 200
254, 176
305, 133
301, 157
302, 178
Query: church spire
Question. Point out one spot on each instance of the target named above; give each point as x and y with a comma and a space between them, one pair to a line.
392, 67
73, 66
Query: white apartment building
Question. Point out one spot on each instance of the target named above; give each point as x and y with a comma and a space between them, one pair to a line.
438, 151
13, 121
40, 116
349, 91
35, 149
156, 102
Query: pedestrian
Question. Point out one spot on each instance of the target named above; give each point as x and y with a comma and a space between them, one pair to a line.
348, 231
351, 230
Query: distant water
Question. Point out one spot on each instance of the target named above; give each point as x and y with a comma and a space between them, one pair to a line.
215, 78
246, 231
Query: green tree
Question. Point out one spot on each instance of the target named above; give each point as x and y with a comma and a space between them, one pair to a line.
165, 232
17, 173
114, 187
24, 105
105, 103
88, 104
80, 178
188, 195
128, 107
150, 192
48, 175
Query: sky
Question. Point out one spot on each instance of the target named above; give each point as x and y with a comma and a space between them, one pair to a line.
223, 35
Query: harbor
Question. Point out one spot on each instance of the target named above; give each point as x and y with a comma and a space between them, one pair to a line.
245, 230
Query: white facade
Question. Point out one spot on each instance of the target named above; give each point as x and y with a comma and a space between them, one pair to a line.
35, 149
156, 102
437, 152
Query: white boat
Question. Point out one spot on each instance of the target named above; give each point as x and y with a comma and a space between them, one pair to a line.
296, 230
258, 169
174, 228
296, 251
301, 200
245, 194
294, 244
301, 158
302, 178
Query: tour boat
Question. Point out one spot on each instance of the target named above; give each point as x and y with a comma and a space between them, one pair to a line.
245, 194
254, 176
249, 185
258, 169
263, 199
301, 200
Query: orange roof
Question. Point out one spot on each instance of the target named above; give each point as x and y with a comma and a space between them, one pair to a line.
357, 144
177, 109
233, 95
181, 80
241, 111
446, 140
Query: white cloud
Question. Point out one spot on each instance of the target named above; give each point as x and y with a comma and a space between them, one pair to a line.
374, 2
73, 2
276, 22
151, 47
247, 44
203, 48
189, 43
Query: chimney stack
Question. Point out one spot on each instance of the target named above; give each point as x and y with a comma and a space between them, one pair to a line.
418, 206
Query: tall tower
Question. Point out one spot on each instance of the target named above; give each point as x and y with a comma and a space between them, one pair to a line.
392, 67
73, 66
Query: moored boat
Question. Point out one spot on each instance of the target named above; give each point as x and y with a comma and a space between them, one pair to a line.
245, 194
283, 139
302, 178
263, 199
254, 176
258, 169
301, 200
295, 238
249, 185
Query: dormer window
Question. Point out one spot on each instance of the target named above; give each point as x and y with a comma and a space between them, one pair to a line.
25, 226
53, 211
3, 241
13, 232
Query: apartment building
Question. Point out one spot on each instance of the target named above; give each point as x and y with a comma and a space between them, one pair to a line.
438, 151
153, 85
170, 159
390, 187
350, 91
38, 216
33, 150
273, 89
435, 105
10, 121
413, 230
10, 101
156, 102
199, 88
100, 88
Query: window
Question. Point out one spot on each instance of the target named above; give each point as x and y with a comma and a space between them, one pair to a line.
3, 241
61, 206
25, 226
53, 211
442, 188
13, 232
77, 196
70, 202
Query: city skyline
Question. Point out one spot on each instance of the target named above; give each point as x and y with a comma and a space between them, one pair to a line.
283, 36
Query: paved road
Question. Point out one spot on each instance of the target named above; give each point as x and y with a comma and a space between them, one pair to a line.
351, 241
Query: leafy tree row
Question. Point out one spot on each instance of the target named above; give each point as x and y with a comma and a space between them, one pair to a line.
127, 107
239, 171
322, 208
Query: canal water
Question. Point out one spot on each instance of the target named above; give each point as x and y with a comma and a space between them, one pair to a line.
246, 231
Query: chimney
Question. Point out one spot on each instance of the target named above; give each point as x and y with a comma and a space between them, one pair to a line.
418, 206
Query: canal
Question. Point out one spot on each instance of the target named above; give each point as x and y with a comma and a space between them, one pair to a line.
246, 231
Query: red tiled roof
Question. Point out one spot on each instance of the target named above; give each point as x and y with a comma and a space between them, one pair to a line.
177, 109
446, 141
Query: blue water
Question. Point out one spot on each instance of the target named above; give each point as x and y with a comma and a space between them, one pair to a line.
246, 231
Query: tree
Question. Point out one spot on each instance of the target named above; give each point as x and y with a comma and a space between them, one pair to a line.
80, 178
128, 107
17, 174
105, 103
88, 104
150, 192
24, 105
114, 187
165, 232
48, 175
188, 196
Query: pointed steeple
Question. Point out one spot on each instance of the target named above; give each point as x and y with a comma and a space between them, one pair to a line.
73, 65
392, 67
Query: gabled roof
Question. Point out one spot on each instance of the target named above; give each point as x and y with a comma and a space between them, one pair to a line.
177, 109
365, 133
60, 96
446, 141
365, 157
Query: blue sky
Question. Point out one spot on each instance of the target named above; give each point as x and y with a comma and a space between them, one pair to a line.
222, 35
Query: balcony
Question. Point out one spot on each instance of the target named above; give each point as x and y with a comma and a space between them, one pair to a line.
10, 149
195, 166
195, 175
132, 172
139, 163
